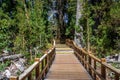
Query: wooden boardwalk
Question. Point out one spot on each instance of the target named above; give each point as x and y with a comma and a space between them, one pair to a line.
67, 67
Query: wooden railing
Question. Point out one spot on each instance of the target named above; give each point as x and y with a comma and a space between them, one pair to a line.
39, 69
97, 68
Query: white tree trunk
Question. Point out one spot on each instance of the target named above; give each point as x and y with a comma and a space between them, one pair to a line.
79, 36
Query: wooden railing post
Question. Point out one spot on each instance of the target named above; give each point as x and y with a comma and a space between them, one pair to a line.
90, 71
30, 76
42, 67
95, 69
52, 57
14, 78
116, 76
86, 61
82, 58
37, 70
48, 60
80, 53
92, 61
54, 52
46, 63
103, 69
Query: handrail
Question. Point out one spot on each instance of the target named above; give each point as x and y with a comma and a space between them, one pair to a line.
27, 71
41, 67
90, 62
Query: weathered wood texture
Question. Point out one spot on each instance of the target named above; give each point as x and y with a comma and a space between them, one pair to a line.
96, 67
67, 67
39, 69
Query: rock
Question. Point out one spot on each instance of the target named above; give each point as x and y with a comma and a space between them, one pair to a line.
1, 77
5, 51
7, 73
108, 58
20, 66
23, 61
13, 68
16, 66
113, 58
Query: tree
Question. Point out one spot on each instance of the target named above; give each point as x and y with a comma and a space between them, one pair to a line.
5, 24
115, 25
71, 11
98, 19
66, 18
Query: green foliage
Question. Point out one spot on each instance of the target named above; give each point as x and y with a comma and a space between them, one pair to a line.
4, 65
24, 25
72, 18
102, 19
115, 21
5, 22
115, 9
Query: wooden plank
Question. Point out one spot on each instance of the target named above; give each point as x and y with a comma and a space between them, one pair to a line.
67, 66
104, 65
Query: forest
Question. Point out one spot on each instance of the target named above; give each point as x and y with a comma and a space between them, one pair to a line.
101, 26
30, 25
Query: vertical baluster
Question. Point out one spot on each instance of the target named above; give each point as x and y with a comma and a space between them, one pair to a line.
90, 71
49, 60
54, 53
103, 69
87, 66
52, 56
42, 67
30, 76
37, 70
46, 65
86, 61
116, 76
80, 54
95, 69
83, 58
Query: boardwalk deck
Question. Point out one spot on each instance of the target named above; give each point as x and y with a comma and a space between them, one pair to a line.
67, 67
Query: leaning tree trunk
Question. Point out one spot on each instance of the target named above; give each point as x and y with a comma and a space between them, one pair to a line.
79, 35
61, 25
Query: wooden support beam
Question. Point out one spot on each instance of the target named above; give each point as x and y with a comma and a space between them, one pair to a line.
103, 68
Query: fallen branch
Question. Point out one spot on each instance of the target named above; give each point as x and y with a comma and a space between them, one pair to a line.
10, 57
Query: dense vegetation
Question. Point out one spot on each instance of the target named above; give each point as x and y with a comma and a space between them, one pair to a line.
23, 25
101, 26
66, 18
28, 26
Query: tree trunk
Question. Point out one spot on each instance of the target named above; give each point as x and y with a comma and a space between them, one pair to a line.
88, 37
10, 57
78, 38
61, 25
